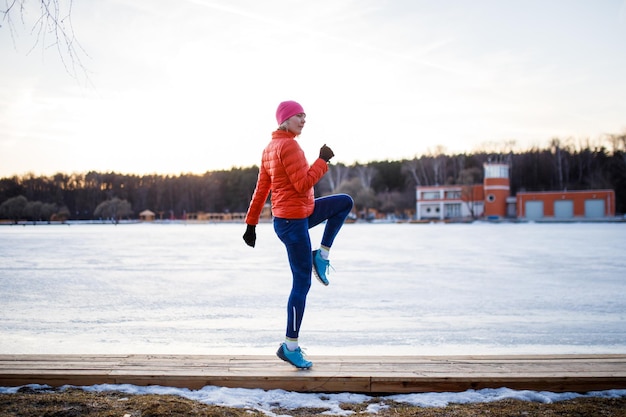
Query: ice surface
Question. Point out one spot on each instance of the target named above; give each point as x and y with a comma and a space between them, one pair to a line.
396, 289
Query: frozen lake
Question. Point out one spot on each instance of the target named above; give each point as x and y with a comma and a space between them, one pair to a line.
397, 289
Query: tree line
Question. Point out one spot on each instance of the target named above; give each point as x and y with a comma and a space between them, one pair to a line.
387, 186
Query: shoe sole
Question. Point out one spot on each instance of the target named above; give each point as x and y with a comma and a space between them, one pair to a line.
282, 356
317, 275
319, 278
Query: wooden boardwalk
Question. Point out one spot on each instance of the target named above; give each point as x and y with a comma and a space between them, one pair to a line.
375, 375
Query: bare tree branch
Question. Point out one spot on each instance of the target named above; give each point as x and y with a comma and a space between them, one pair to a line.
52, 29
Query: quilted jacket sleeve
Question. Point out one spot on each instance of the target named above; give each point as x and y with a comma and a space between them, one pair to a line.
300, 175
286, 174
261, 192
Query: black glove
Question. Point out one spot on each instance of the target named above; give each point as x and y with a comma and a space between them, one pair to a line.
326, 153
250, 236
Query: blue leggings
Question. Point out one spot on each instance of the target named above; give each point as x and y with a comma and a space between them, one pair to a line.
294, 233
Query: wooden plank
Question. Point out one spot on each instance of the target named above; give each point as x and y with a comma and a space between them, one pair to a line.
364, 374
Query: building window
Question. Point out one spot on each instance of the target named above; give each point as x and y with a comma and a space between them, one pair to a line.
496, 171
491, 198
453, 211
453, 195
430, 195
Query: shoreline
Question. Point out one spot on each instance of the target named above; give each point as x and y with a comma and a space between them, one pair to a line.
29, 402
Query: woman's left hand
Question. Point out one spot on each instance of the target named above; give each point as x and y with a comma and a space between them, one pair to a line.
250, 236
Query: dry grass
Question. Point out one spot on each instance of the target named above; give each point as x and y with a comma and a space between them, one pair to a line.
76, 402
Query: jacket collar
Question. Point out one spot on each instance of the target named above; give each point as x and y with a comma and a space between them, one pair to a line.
282, 134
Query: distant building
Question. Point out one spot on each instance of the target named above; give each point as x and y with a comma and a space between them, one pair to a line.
201, 216
147, 216
492, 200
561, 205
497, 189
215, 217
449, 202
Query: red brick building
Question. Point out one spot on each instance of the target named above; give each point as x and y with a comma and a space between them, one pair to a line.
492, 200
590, 204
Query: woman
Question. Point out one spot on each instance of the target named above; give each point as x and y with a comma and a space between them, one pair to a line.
286, 173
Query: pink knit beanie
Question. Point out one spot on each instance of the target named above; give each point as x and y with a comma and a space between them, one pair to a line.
286, 109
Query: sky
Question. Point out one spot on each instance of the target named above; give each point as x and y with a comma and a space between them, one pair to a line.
193, 85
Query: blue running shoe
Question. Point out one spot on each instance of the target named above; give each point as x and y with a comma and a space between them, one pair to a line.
320, 267
295, 357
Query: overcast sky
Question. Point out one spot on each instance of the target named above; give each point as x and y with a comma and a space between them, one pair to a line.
189, 86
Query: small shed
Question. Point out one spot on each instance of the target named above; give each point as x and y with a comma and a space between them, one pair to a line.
147, 216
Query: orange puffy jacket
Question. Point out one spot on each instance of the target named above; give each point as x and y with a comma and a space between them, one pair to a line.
286, 173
